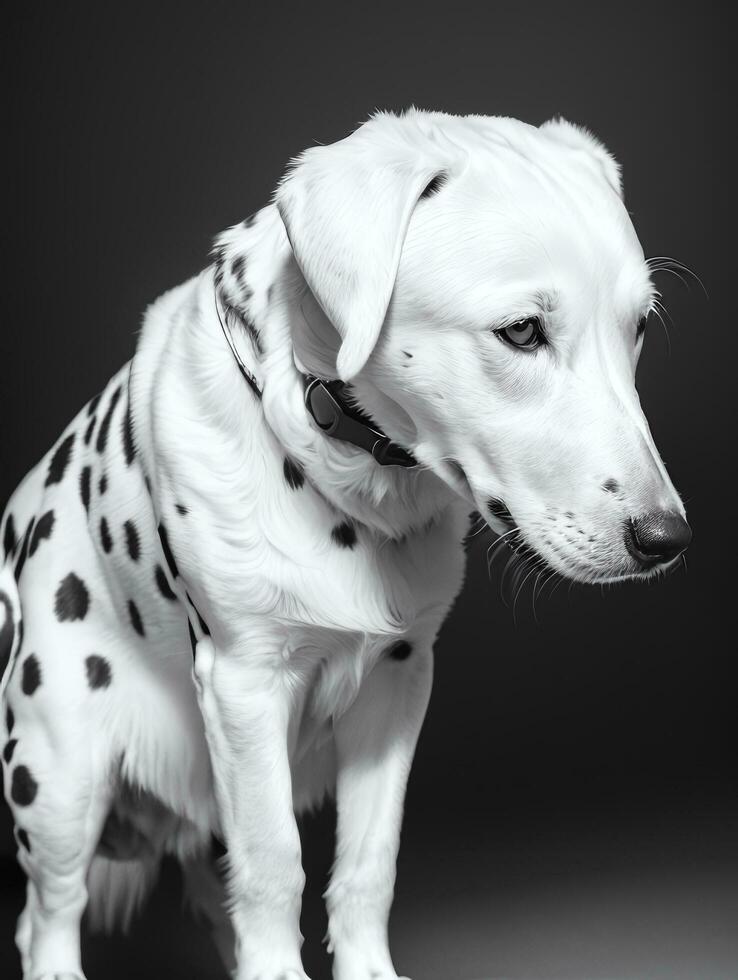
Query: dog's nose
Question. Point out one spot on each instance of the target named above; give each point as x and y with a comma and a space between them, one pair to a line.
657, 537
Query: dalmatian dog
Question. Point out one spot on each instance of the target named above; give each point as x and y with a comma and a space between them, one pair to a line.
222, 586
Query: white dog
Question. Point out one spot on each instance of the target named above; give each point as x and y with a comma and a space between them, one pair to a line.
473, 293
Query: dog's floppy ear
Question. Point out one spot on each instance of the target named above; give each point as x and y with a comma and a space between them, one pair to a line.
580, 138
346, 208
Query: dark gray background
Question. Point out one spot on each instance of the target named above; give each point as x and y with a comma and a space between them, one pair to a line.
572, 810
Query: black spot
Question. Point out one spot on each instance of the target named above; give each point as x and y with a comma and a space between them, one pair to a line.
129, 447
98, 670
407, 353
41, 531
344, 534
293, 473
401, 650
23, 786
102, 435
22, 838
23, 553
102, 485
435, 185
253, 333
7, 630
203, 625
84, 486
181, 509
9, 749
135, 617
20, 633
72, 599
237, 267
90, 429
105, 540
611, 486
163, 583
168, 554
94, 402
31, 676
219, 255
10, 538
60, 461
132, 540
193, 638
9, 720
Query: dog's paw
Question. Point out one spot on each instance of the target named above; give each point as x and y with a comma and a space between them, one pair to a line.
370, 975
282, 975
59, 976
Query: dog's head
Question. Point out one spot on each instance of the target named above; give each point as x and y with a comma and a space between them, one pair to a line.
487, 294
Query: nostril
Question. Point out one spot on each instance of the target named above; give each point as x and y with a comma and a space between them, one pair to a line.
657, 537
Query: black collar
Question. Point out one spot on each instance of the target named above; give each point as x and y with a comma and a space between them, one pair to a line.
326, 402
339, 420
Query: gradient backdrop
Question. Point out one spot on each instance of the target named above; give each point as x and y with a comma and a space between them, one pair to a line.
572, 810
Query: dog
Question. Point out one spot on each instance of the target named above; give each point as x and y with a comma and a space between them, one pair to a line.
223, 584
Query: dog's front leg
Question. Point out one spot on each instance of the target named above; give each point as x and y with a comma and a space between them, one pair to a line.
245, 706
375, 743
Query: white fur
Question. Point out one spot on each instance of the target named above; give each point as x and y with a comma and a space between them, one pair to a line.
348, 273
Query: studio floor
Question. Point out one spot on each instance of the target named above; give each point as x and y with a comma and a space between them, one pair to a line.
638, 897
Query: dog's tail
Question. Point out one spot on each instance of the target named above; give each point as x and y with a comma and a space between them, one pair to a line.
117, 889
138, 831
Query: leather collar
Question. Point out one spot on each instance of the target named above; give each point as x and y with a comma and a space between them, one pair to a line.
327, 403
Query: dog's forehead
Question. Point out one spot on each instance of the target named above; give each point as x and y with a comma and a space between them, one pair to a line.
524, 209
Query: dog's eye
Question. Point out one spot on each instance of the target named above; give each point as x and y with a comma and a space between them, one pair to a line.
525, 335
641, 328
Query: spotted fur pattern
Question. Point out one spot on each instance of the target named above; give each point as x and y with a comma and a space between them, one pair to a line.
212, 614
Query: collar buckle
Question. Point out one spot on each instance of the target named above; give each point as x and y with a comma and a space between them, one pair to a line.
340, 421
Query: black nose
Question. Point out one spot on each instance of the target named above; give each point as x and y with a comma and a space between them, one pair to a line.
657, 537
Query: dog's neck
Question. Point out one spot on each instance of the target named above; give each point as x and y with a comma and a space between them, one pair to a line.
258, 311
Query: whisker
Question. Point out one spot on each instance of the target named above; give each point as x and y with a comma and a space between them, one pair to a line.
664, 263
534, 565
496, 547
657, 308
542, 566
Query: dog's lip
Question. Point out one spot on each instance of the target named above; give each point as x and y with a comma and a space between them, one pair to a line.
499, 509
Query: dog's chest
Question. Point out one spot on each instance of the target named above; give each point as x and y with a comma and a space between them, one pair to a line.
282, 553
412, 583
